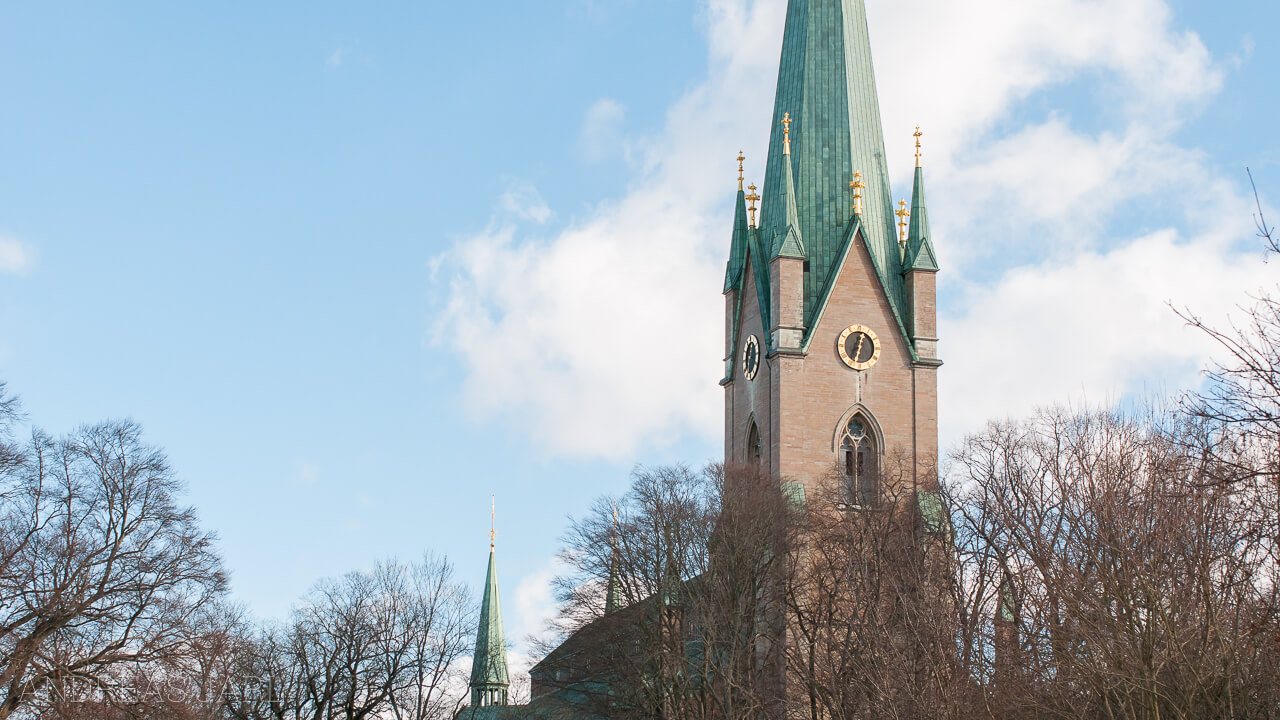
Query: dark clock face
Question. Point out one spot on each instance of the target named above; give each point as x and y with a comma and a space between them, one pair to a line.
751, 358
859, 347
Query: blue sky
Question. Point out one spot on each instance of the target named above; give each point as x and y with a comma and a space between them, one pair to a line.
358, 266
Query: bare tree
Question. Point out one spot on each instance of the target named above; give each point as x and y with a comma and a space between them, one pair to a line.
871, 615
629, 663
697, 563
1135, 573
101, 569
440, 623
191, 686
376, 644
1243, 389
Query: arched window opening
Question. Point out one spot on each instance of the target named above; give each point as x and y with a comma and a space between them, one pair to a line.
753, 444
858, 456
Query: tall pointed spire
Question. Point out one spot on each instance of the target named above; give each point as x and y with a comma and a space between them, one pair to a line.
920, 254
738, 246
613, 598
827, 84
792, 245
489, 676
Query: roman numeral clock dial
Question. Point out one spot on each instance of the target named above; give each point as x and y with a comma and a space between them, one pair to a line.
859, 347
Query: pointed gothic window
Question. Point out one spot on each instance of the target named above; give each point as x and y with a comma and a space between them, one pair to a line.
858, 457
753, 444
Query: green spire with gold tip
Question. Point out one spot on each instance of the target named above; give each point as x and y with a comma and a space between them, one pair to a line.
793, 242
738, 247
920, 254
489, 676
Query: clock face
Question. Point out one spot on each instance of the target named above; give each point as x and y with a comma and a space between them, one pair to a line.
751, 358
859, 347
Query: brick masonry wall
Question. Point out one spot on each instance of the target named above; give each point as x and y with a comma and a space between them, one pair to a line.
800, 403
746, 399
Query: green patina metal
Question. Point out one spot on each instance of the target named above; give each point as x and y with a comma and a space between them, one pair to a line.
920, 255
827, 83
489, 676
1008, 601
933, 513
792, 245
794, 494
613, 597
738, 248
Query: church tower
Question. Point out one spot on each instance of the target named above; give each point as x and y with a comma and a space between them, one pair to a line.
489, 676
831, 355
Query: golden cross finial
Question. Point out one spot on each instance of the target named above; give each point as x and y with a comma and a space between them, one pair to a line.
493, 519
741, 159
753, 198
917, 136
903, 213
858, 186
786, 133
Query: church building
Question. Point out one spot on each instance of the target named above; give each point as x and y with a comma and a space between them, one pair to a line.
831, 349
831, 352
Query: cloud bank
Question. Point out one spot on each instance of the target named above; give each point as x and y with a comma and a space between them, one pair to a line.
1063, 229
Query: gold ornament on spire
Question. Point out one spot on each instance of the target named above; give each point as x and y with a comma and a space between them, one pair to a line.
493, 522
917, 136
786, 133
903, 213
753, 198
741, 159
857, 186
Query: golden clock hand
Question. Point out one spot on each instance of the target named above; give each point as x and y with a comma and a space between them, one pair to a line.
858, 353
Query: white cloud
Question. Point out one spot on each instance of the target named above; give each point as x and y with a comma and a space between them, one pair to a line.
534, 604
523, 201
607, 336
336, 57
601, 135
16, 257
1094, 328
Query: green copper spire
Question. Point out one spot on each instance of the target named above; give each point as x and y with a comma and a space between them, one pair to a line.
613, 597
920, 255
489, 677
738, 249
1008, 600
827, 84
792, 242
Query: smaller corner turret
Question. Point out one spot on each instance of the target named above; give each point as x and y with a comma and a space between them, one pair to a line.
786, 267
736, 266
738, 245
920, 268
